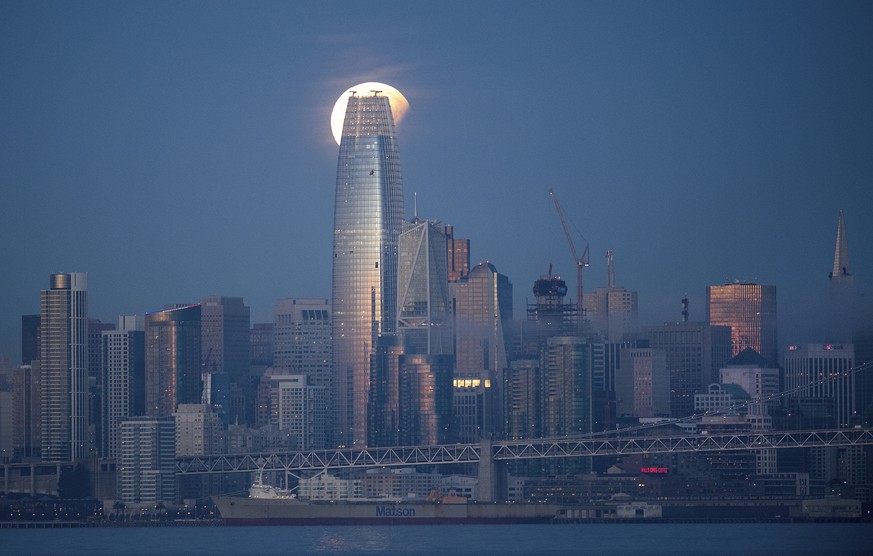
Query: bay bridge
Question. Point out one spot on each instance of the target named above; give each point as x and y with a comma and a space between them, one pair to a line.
486, 454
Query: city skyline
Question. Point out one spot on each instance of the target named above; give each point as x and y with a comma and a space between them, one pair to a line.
696, 156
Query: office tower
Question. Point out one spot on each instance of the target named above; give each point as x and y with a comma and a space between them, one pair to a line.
296, 408
425, 388
64, 367
147, 464
695, 352
261, 344
368, 216
457, 255
224, 336
173, 366
472, 400
29, 338
27, 415
424, 317
199, 430
642, 383
483, 310
754, 374
612, 310
821, 372
750, 310
301, 339
123, 358
224, 349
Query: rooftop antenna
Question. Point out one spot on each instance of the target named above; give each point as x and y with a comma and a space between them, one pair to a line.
685, 308
415, 204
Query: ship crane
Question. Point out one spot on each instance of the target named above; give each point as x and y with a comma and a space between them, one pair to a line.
581, 262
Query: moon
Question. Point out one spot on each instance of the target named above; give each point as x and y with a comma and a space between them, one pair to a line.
399, 104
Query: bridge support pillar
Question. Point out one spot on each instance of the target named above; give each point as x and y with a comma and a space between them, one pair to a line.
492, 475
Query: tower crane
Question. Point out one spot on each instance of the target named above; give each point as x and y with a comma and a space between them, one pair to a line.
581, 262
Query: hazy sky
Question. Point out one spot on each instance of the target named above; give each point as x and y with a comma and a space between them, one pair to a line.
174, 150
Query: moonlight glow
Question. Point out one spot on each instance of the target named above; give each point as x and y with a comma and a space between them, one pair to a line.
399, 104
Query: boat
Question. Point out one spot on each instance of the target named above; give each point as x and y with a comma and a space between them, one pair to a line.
267, 505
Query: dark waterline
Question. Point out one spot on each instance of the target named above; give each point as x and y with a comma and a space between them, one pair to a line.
674, 539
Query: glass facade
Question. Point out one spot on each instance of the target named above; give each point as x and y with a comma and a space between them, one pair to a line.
368, 216
173, 367
750, 311
424, 310
64, 361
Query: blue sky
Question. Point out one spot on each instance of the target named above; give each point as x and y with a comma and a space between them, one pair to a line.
174, 150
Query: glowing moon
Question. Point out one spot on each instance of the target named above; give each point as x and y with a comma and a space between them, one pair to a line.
399, 104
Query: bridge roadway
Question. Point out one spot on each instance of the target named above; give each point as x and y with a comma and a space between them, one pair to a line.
485, 453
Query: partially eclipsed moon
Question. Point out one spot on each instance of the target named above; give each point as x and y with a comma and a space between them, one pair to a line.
399, 104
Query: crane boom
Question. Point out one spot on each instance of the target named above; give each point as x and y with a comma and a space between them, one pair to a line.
581, 262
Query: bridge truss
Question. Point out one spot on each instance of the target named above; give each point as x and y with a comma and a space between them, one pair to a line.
324, 460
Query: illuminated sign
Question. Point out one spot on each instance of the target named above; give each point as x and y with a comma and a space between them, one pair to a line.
658, 470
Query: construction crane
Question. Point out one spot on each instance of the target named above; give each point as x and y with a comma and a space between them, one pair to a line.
581, 262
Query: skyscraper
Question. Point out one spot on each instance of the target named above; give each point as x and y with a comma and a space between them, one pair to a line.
424, 319
173, 367
224, 336
64, 364
750, 310
368, 217
147, 463
841, 275
301, 339
124, 379
613, 310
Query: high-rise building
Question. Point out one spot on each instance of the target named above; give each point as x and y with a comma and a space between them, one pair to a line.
27, 413
368, 217
384, 409
521, 399
64, 365
457, 255
840, 276
301, 339
695, 352
612, 310
147, 463
425, 388
565, 387
261, 344
296, 408
750, 310
96, 384
29, 338
224, 349
124, 379
173, 366
199, 430
224, 336
483, 310
642, 383
424, 314
754, 374
822, 371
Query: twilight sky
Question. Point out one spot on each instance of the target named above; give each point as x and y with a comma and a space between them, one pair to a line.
175, 150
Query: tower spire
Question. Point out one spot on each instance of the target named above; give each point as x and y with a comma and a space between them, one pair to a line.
610, 270
841, 251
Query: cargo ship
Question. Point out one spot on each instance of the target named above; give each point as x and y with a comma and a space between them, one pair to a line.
269, 506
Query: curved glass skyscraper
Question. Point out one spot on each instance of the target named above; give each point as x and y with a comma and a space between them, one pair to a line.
368, 217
